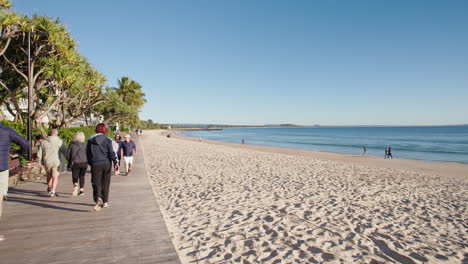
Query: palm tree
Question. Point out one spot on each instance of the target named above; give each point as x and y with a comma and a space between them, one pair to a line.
131, 92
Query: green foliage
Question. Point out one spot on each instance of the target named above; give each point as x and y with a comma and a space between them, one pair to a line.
149, 124
66, 134
5, 4
123, 103
131, 92
22, 129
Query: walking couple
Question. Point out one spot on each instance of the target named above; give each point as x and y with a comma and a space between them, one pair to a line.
125, 149
388, 153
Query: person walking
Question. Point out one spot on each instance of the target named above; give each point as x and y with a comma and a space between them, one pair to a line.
7, 136
128, 150
36, 146
386, 153
389, 153
78, 162
364, 153
100, 155
116, 143
49, 155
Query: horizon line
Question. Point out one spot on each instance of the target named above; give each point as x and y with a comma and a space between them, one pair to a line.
295, 125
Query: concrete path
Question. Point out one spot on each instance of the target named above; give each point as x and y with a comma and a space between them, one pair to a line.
65, 229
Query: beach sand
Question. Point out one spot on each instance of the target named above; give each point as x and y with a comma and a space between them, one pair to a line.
230, 203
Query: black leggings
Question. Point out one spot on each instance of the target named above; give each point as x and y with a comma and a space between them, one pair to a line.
78, 173
100, 179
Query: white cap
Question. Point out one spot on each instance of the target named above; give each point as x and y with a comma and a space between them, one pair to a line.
127, 135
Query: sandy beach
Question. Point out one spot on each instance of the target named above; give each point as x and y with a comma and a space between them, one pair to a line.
231, 203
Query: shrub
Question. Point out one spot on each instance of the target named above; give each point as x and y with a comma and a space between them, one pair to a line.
23, 129
66, 134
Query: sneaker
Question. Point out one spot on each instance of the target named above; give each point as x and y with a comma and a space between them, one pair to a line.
75, 190
98, 205
106, 205
126, 174
52, 194
81, 193
2, 237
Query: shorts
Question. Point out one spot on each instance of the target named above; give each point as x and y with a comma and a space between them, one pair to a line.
52, 171
128, 160
4, 182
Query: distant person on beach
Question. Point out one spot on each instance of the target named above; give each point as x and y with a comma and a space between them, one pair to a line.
7, 136
78, 162
243, 141
49, 156
386, 153
116, 143
128, 150
100, 156
364, 153
389, 153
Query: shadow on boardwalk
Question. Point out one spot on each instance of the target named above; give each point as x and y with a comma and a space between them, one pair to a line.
65, 229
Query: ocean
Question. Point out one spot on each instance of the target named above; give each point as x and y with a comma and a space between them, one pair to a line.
437, 143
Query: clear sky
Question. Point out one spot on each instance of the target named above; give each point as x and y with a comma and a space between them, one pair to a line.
269, 62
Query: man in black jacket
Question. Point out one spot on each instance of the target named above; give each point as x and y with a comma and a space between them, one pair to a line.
8, 135
100, 155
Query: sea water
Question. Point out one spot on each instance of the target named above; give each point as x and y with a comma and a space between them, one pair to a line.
437, 143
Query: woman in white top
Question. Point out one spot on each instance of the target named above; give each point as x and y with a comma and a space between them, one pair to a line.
116, 146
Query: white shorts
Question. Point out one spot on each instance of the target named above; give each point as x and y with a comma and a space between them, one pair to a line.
4, 182
128, 160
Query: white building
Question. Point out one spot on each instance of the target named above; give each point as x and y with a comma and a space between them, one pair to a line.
23, 104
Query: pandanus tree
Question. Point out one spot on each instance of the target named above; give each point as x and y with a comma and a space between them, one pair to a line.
49, 41
64, 85
11, 82
80, 87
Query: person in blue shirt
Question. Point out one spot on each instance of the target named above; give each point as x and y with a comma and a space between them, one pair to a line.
128, 150
7, 136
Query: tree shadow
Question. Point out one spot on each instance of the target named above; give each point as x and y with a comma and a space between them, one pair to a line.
44, 204
39, 194
28, 192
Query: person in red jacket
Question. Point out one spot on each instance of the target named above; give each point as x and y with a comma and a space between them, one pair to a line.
100, 155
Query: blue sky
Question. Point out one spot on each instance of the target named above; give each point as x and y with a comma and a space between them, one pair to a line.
268, 62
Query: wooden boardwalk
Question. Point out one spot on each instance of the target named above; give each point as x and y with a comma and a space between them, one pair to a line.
65, 229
